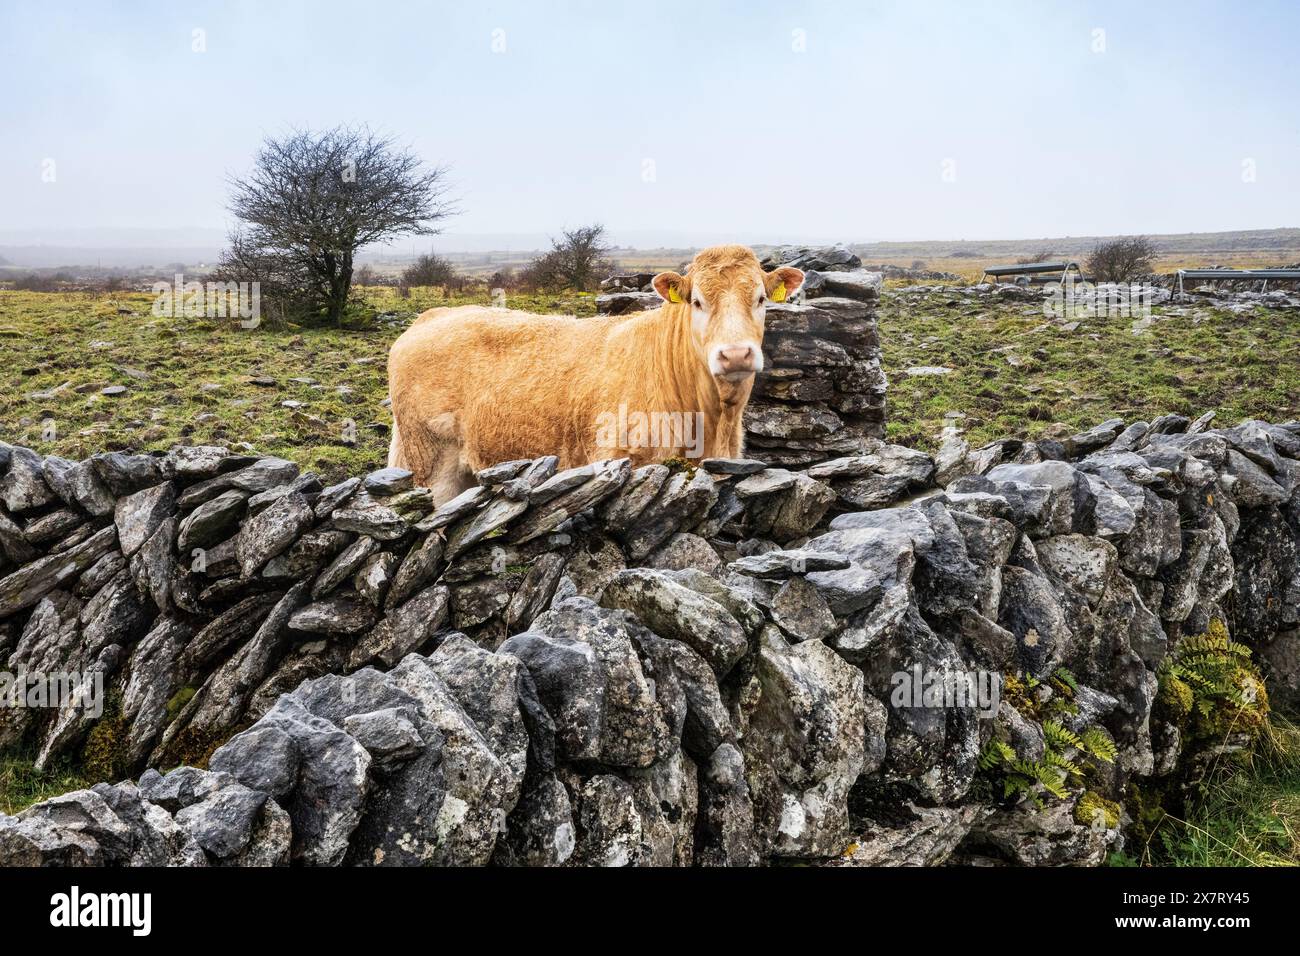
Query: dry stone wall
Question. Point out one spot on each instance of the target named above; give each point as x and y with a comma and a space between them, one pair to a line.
609, 666
822, 392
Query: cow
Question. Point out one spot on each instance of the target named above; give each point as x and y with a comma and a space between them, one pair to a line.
473, 386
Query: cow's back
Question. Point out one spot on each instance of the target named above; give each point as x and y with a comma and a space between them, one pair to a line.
501, 383
498, 343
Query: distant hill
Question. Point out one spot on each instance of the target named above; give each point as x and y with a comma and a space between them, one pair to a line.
1187, 243
133, 249
93, 257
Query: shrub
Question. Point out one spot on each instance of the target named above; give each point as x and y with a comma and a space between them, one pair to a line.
1121, 260
429, 270
36, 282
578, 260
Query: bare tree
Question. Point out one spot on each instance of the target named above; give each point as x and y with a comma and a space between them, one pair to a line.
1121, 260
283, 282
1043, 255
312, 200
584, 257
540, 273
577, 260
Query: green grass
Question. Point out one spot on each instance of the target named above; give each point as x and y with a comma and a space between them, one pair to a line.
1246, 816
1245, 365
21, 785
190, 380
198, 386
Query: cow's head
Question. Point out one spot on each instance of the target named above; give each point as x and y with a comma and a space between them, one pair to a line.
725, 292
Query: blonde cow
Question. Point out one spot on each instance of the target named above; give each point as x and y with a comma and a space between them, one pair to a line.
472, 386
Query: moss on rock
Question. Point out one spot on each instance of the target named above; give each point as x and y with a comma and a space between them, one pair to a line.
104, 754
1092, 808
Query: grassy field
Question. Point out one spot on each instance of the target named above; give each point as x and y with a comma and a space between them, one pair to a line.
284, 391
483, 265
1249, 249
291, 392
971, 268
1015, 373
1254, 248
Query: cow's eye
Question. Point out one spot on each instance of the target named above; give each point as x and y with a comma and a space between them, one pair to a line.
699, 304
762, 299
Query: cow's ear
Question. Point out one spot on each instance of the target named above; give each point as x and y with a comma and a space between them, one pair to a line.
782, 283
672, 287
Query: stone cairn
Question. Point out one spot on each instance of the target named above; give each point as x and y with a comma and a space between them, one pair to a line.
609, 665
821, 394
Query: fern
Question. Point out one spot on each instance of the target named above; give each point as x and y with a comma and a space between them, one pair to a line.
1069, 767
995, 754
1052, 779
1189, 675
1065, 681
1054, 773
1211, 645
1060, 737
1226, 691
1018, 786
1197, 644
1098, 743
1202, 664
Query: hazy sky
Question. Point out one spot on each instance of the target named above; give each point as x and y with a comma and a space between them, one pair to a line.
758, 121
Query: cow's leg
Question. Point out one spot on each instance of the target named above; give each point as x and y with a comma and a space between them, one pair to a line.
396, 459
733, 438
431, 450
449, 475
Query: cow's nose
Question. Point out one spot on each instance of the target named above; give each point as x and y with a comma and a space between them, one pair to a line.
737, 358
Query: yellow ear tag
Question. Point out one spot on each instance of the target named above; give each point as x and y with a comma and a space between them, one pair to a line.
673, 294
778, 294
